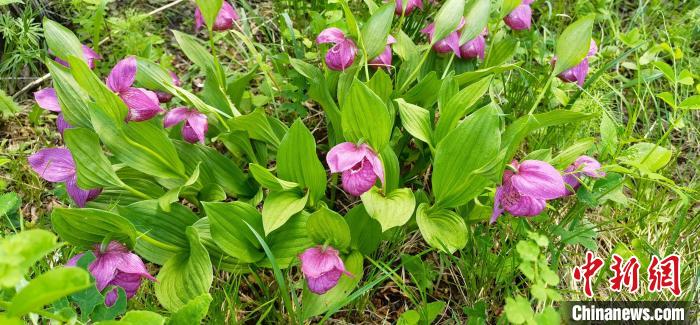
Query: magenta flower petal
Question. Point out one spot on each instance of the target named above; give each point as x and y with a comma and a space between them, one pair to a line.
79, 195
116, 266
198, 19
47, 99
143, 104
53, 164
383, 60
122, 76
344, 156
322, 268
330, 35
175, 116
224, 19
61, 124
74, 260
448, 44
342, 55
474, 48
589, 166
359, 179
89, 54
538, 179
410, 6
324, 282
520, 18
360, 166
195, 128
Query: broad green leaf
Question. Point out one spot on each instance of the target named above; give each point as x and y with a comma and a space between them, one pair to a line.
192, 313
143, 317
47, 288
314, 304
297, 162
518, 130
280, 206
215, 168
473, 145
646, 156
470, 76
501, 51
476, 17
143, 146
365, 232
376, 30
8, 107
72, 97
227, 222
106, 100
416, 120
268, 180
327, 227
391, 210
573, 44
160, 234
62, 42
185, 276
221, 261
288, 241
94, 169
20, 251
518, 310
87, 227
390, 163
458, 106
210, 9
381, 84
568, 155
198, 54
692, 102
257, 125
425, 92
447, 19
443, 229
365, 116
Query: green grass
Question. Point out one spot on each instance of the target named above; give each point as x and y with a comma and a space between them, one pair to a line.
645, 214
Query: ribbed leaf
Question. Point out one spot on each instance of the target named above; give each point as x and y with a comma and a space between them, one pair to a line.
185, 276
94, 169
87, 227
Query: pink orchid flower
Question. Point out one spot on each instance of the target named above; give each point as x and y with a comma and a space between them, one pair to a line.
143, 104
521, 17
56, 165
475, 48
115, 266
525, 191
89, 54
583, 166
448, 44
195, 127
579, 72
384, 59
322, 268
343, 53
360, 166
224, 19
47, 99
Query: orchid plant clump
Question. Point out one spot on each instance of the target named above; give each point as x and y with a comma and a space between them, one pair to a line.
177, 177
